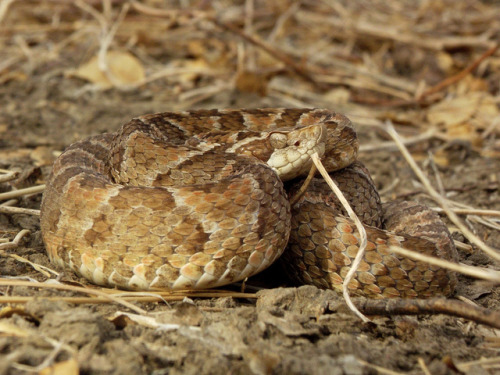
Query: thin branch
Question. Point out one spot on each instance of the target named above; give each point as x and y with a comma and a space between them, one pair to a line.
15, 242
21, 192
478, 272
401, 306
8, 175
470, 211
7, 282
428, 134
18, 210
299, 193
457, 77
272, 50
362, 234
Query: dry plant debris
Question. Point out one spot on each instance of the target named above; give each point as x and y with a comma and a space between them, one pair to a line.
431, 68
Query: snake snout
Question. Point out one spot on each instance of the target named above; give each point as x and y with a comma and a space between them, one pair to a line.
294, 160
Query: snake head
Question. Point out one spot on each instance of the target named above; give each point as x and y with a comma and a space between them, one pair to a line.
292, 149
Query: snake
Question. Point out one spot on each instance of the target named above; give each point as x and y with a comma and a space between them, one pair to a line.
200, 199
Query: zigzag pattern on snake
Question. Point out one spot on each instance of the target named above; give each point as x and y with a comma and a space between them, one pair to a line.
198, 199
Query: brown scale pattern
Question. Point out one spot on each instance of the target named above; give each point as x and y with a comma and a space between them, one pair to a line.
323, 242
187, 200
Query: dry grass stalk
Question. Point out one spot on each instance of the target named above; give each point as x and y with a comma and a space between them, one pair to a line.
423, 366
116, 296
272, 50
495, 254
390, 145
379, 369
18, 210
7, 282
21, 192
304, 186
393, 32
8, 175
10, 202
108, 33
486, 363
362, 234
463, 246
470, 211
45, 271
15, 242
4, 7
477, 272
85, 300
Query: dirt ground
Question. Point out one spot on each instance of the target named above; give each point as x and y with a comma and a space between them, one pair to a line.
374, 62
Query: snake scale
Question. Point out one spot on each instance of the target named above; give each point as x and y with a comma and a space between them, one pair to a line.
199, 199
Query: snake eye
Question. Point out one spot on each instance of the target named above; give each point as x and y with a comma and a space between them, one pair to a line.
278, 140
297, 144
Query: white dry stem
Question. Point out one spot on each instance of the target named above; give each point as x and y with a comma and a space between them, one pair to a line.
92, 291
18, 210
362, 235
15, 242
429, 134
423, 366
8, 203
107, 35
21, 192
495, 254
379, 369
151, 322
4, 7
484, 362
470, 211
477, 272
8, 175
106, 42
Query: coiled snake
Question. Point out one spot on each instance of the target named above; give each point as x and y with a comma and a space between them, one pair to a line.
189, 200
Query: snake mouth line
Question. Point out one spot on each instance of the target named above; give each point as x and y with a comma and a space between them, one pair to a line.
294, 159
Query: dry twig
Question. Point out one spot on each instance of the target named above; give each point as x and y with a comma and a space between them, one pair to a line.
400, 306
18, 210
457, 77
15, 242
361, 230
477, 272
8, 175
21, 192
7, 282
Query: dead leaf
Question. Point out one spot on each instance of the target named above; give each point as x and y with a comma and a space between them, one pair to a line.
69, 367
452, 112
445, 62
191, 69
338, 96
124, 70
252, 82
465, 116
7, 329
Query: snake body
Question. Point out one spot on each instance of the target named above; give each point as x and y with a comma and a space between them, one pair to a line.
196, 199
